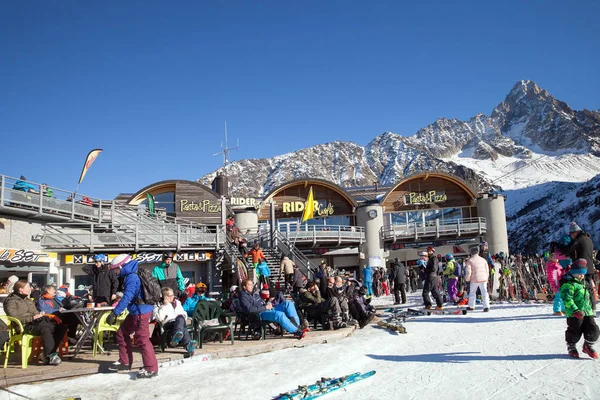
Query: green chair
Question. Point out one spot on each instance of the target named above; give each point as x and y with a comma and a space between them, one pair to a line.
102, 327
16, 335
210, 310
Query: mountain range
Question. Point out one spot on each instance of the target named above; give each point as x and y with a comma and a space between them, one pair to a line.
543, 155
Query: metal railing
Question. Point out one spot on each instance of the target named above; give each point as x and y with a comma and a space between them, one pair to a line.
285, 246
341, 234
460, 227
129, 237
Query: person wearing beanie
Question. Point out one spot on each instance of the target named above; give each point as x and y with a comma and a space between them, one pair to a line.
581, 246
578, 306
137, 321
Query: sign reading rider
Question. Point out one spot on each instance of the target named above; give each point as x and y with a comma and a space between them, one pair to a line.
425, 198
298, 206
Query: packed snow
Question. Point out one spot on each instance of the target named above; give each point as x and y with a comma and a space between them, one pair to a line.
514, 351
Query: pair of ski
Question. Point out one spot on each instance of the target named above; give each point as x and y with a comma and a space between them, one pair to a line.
425, 311
324, 386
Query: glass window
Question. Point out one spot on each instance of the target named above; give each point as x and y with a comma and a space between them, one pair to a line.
399, 218
163, 200
415, 217
452, 214
85, 280
188, 274
431, 216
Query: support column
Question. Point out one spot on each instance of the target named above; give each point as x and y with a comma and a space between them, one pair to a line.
491, 207
247, 220
370, 217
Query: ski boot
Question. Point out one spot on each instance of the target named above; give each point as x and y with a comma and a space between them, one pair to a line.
439, 308
572, 348
589, 350
486, 310
428, 307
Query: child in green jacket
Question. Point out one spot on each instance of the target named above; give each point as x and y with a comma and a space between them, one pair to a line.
580, 316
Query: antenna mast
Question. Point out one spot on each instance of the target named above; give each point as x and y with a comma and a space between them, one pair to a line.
227, 149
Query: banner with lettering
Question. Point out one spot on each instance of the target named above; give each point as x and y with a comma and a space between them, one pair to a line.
142, 258
23, 256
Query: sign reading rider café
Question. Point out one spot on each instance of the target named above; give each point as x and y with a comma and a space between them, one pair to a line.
298, 206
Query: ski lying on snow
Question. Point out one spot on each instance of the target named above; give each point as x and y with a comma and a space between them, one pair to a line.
323, 386
339, 385
424, 311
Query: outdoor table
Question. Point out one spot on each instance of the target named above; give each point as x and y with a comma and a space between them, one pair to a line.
88, 318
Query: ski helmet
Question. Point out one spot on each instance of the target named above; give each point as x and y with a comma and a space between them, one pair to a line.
168, 254
100, 258
423, 254
201, 286
431, 249
119, 261
449, 257
483, 244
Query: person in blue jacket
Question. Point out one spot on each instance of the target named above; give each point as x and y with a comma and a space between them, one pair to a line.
368, 278
284, 314
24, 186
137, 321
190, 302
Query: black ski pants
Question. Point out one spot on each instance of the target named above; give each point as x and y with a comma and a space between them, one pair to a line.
431, 285
50, 332
400, 288
577, 327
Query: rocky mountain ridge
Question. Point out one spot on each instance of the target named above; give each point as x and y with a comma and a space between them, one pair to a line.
529, 139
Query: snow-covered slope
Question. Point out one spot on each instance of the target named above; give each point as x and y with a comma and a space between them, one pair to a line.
529, 140
515, 351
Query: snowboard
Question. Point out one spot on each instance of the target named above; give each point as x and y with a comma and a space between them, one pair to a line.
394, 327
304, 391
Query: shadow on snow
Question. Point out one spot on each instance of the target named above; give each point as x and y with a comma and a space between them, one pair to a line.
465, 357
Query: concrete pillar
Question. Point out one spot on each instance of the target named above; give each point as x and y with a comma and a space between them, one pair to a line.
370, 217
491, 207
247, 220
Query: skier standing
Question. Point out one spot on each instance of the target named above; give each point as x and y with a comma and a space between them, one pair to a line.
398, 280
477, 276
432, 281
368, 280
451, 273
580, 316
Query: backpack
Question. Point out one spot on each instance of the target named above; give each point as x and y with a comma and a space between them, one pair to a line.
151, 290
457, 269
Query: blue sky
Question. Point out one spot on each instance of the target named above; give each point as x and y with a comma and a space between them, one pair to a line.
152, 82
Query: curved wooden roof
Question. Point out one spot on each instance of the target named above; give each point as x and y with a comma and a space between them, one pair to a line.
314, 182
162, 187
424, 175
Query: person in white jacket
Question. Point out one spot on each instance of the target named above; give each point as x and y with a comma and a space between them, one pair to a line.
477, 275
172, 318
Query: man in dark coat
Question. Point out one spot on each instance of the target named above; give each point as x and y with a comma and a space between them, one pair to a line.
106, 282
297, 282
398, 277
582, 247
431, 280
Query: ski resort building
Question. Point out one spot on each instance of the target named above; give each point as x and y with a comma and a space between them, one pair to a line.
48, 234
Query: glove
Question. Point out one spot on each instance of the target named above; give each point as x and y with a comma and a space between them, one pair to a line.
111, 319
579, 314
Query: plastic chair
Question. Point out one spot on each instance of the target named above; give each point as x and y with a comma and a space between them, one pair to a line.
24, 338
209, 310
36, 347
104, 327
